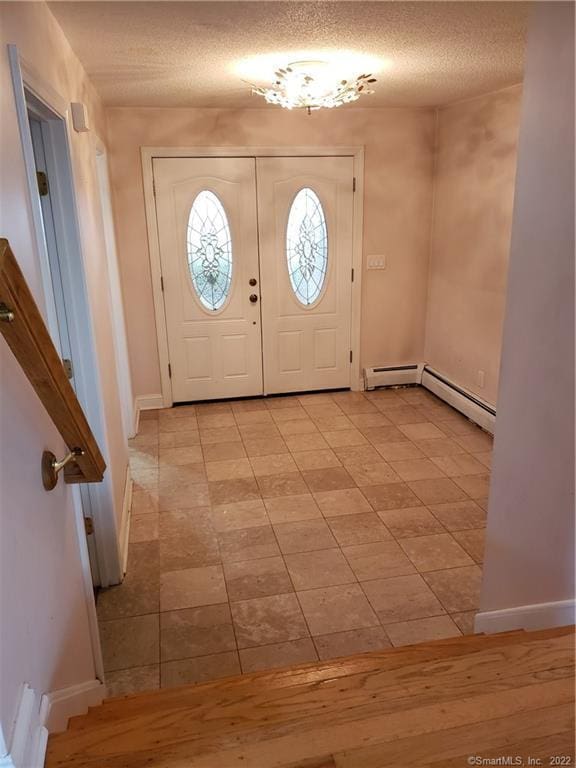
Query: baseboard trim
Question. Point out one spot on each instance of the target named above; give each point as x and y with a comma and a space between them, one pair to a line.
124, 536
469, 404
29, 735
57, 707
537, 616
146, 403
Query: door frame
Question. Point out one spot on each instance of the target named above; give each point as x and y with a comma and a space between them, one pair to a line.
148, 154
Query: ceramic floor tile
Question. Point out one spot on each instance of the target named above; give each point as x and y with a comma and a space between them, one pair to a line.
286, 484
399, 451
459, 515
341, 438
196, 632
185, 495
192, 587
333, 423
178, 457
240, 489
348, 501
404, 414
144, 502
458, 589
384, 435
288, 414
275, 464
464, 621
373, 419
409, 522
290, 509
229, 469
215, 421
422, 630
439, 491
435, 552
185, 523
268, 620
423, 431
318, 459
297, 427
293, 652
462, 464
438, 447
259, 432
484, 457
239, 514
473, 542
136, 596
309, 441
145, 457
253, 404
191, 551
478, 441
323, 568
390, 496
223, 451
132, 642
304, 536
365, 528
170, 476
248, 544
257, 578
379, 560
125, 682
476, 486
264, 446
378, 473
184, 424
281, 402
254, 417
215, 435
416, 469
143, 527
180, 439
402, 598
199, 670
357, 454
352, 642
336, 609
330, 479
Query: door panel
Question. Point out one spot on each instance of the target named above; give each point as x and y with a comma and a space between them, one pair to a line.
208, 259
306, 318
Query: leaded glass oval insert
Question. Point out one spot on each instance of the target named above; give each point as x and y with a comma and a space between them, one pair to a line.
307, 246
209, 246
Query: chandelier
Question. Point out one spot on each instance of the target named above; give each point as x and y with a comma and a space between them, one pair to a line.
312, 85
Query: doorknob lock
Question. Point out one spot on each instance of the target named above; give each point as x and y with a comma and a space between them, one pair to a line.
252, 281
253, 298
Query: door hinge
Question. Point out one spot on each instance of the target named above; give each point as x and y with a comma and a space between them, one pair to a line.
68, 367
354, 184
350, 355
42, 180
169, 370
161, 283
352, 274
88, 526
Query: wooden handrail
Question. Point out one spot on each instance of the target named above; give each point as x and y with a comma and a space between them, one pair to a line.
22, 326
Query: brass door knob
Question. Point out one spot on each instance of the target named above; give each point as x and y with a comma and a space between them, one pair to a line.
253, 298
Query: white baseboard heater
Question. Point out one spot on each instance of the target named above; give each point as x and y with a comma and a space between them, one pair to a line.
473, 407
392, 375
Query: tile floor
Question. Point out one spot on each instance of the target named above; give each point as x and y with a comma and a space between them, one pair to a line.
279, 531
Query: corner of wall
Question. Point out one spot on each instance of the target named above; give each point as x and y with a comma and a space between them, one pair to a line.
431, 234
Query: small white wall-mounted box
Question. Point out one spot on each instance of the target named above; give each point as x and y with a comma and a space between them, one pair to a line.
376, 262
80, 120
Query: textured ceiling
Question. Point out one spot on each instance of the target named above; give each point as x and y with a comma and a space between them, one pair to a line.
176, 54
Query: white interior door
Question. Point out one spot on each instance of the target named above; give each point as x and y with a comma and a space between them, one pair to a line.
305, 213
207, 230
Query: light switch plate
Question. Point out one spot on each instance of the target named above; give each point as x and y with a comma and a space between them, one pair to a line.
377, 262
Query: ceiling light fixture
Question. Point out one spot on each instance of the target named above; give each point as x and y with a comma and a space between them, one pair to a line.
312, 85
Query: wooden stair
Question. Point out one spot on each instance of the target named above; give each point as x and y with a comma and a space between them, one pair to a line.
434, 704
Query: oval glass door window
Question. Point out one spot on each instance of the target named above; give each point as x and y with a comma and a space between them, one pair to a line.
307, 246
209, 250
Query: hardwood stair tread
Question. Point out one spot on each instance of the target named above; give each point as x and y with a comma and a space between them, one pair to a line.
316, 714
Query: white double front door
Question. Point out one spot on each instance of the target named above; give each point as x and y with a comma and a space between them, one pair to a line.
256, 259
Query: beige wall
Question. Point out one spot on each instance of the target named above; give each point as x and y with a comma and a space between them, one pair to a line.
45, 635
530, 535
473, 196
398, 192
